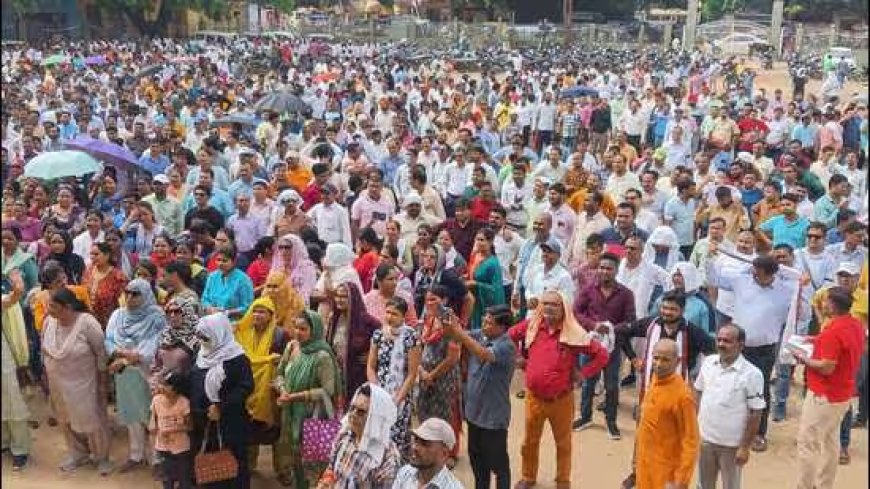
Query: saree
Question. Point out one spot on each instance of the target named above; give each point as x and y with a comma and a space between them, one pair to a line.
489, 289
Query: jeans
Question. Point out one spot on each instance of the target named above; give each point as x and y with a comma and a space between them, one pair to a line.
846, 430
781, 390
568, 144
861, 385
763, 357
611, 388
487, 452
544, 140
177, 470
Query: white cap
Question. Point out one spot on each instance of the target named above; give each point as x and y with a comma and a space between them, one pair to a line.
160, 178
848, 268
436, 429
412, 198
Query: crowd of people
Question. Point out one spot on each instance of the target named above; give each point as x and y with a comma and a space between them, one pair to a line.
383, 260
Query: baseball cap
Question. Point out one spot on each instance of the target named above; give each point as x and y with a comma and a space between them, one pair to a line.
161, 178
436, 429
848, 268
552, 244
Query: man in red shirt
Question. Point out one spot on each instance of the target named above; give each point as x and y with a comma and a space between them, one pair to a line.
751, 128
831, 370
551, 341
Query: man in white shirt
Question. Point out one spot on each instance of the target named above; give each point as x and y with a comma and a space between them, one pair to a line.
633, 124
412, 217
373, 208
621, 179
590, 220
331, 219
545, 121
762, 290
551, 168
549, 274
731, 392
507, 246
455, 178
641, 277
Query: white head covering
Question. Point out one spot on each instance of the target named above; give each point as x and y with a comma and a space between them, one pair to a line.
691, 276
338, 255
663, 236
220, 347
382, 416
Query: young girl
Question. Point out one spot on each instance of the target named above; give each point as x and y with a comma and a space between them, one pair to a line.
170, 423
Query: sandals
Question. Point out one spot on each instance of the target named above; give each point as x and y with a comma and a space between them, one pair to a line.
760, 444
71, 464
521, 394
845, 459
129, 465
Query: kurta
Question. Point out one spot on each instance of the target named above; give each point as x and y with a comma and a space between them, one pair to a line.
667, 434
73, 378
104, 292
14, 408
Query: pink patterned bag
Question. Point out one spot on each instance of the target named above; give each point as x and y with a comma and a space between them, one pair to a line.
319, 434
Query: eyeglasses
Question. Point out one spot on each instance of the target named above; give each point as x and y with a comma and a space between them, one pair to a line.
358, 410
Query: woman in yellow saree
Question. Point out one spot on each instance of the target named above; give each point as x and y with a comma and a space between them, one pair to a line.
263, 341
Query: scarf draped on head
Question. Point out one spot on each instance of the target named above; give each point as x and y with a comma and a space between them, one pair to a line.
338, 266
288, 303
663, 236
220, 347
375, 439
691, 276
17, 259
300, 270
571, 334
72, 264
258, 348
184, 335
138, 325
302, 374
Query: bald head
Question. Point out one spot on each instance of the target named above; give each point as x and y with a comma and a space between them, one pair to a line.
665, 357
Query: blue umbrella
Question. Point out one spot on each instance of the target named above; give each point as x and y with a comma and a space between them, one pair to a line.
578, 91
108, 152
59, 164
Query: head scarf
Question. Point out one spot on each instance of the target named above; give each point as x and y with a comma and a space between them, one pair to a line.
258, 350
691, 276
185, 335
300, 271
302, 373
375, 437
138, 325
220, 347
288, 303
338, 266
571, 334
663, 236
72, 264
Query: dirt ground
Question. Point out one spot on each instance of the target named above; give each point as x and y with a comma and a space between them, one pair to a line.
598, 462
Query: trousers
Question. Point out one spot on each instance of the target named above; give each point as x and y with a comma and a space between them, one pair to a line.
487, 452
818, 446
558, 412
716, 459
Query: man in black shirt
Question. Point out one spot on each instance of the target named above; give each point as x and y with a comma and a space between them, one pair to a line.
202, 210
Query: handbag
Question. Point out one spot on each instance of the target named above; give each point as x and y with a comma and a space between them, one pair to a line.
318, 434
216, 466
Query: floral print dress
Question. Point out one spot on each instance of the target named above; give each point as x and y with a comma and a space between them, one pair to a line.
391, 377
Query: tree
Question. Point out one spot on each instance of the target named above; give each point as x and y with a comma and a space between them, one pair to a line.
135, 11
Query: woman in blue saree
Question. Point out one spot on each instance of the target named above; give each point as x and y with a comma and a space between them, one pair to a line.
484, 276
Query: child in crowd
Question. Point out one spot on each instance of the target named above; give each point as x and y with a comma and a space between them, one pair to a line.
170, 423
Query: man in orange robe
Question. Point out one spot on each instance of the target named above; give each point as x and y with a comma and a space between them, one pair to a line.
667, 434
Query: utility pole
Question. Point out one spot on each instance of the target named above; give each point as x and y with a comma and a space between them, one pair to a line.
567, 20
775, 37
691, 25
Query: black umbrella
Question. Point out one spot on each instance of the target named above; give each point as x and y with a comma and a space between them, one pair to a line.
148, 71
245, 120
282, 102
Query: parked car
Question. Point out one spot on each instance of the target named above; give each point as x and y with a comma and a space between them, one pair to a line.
838, 52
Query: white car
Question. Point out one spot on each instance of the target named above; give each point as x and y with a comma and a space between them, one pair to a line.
738, 43
840, 52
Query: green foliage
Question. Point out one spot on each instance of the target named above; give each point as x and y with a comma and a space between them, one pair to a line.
286, 6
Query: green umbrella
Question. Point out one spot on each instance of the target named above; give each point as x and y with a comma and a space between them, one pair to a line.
60, 164
53, 60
